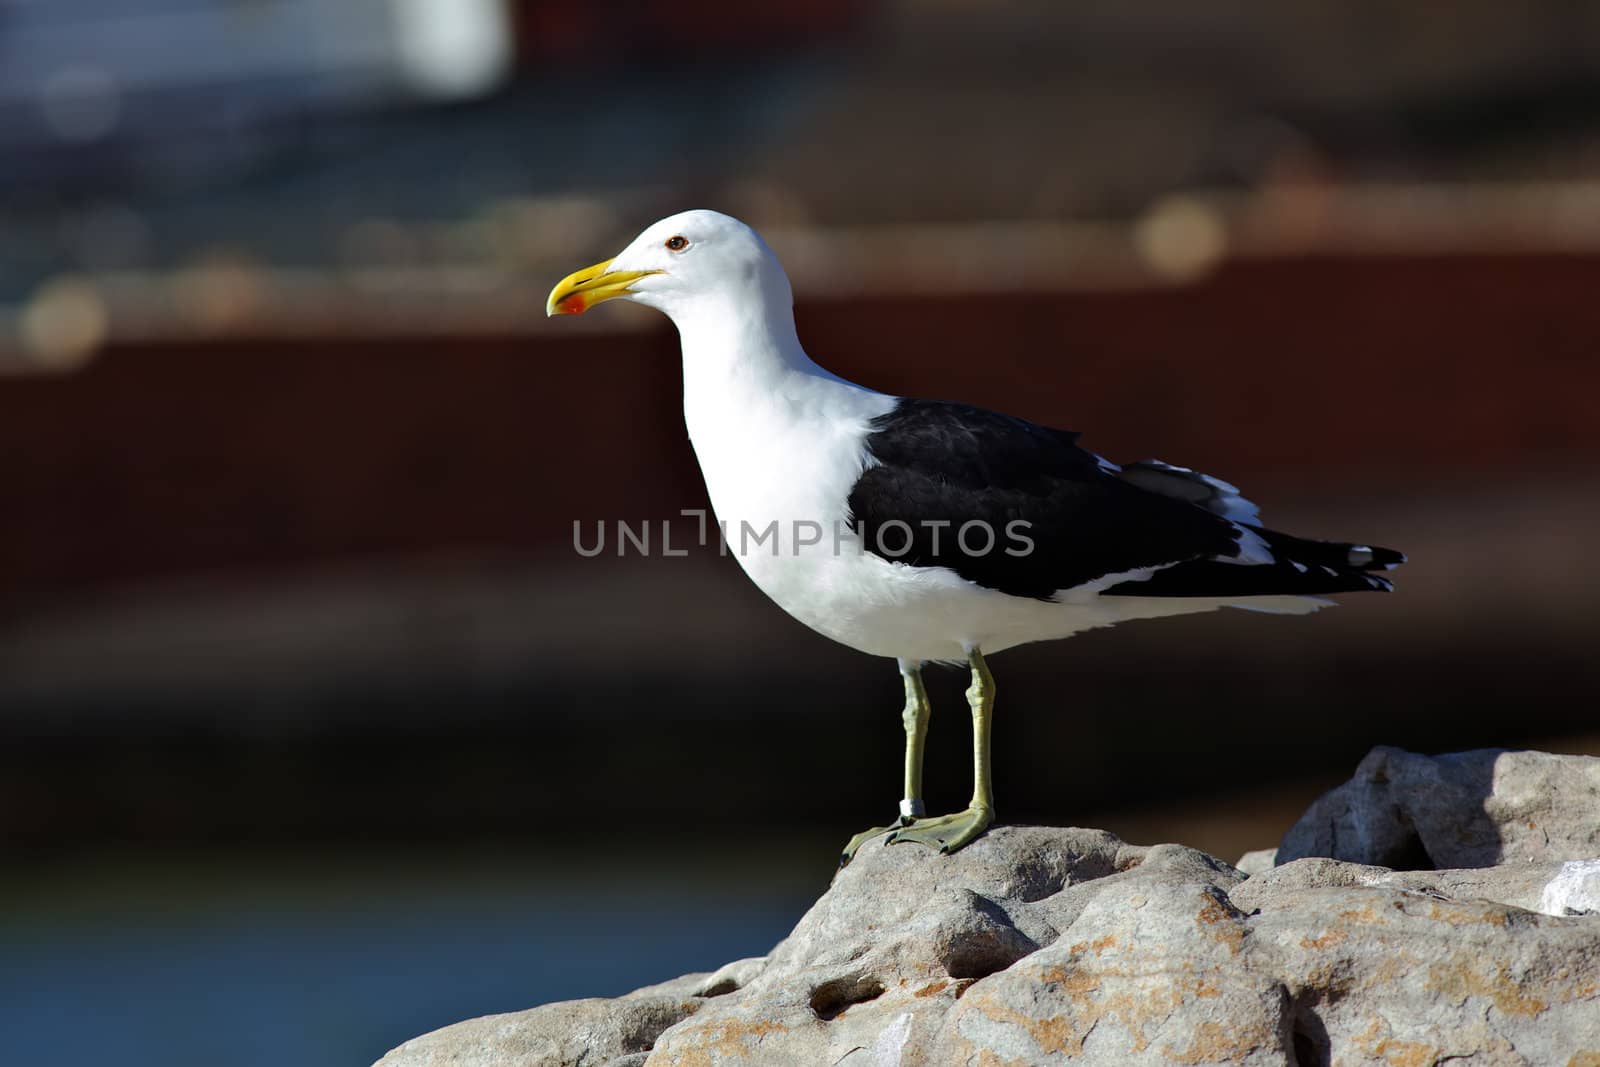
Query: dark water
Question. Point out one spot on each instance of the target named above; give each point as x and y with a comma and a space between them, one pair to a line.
330, 963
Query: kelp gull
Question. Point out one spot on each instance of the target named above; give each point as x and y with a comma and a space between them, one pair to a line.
927, 530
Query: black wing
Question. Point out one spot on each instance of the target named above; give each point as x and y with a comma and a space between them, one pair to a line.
942, 466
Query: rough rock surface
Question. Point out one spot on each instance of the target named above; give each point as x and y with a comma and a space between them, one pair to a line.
1040, 946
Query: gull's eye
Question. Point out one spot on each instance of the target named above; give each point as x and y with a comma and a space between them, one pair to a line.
677, 243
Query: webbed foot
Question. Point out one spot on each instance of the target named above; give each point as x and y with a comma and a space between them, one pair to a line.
866, 835
946, 833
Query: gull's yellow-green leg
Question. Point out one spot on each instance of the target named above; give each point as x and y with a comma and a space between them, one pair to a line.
950, 832
915, 718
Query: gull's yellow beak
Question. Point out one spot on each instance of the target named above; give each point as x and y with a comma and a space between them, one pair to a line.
583, 289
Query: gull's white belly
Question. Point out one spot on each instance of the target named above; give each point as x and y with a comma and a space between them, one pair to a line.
931, 613
918, 613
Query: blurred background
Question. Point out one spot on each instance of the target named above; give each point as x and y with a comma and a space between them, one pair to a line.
316, 732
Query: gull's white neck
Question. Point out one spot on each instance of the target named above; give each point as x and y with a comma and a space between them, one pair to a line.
742, 356
777, 436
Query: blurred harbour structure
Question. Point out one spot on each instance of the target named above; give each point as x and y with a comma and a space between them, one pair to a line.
290, 614
188, 165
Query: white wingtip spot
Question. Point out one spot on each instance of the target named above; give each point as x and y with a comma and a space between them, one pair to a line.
1360, 555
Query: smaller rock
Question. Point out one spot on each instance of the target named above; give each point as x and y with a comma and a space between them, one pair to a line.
1575, 890
1465, 809
1257, 860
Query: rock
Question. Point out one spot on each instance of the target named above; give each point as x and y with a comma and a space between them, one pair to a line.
1466, 809
1257, 860
1048, 946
